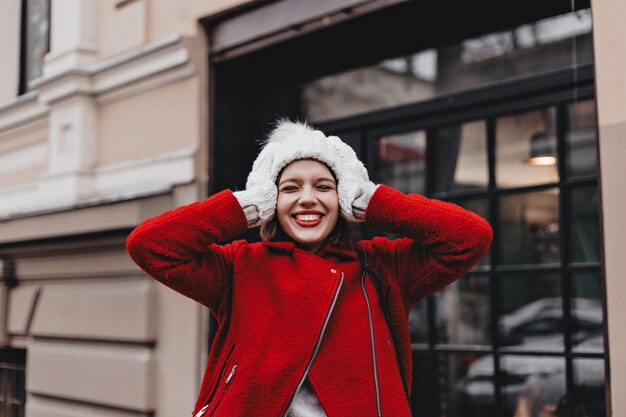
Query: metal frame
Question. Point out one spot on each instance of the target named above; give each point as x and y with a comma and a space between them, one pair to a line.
13, 377
556, 90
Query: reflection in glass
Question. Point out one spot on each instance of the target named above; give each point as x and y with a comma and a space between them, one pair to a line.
531, 385
526, 149
424, 396
531, 312
529, 228
418, 323
584, 226
459, 156
587, 318
37, 30
525, 51
589, 388
464, 385
400, 161
580, 139
480, 207
463, 310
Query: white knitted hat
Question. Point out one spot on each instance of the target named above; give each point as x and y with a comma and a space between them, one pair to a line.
290, 141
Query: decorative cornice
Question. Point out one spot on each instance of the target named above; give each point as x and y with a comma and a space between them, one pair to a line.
117, 61
158, 63
71, 180
23, 110
123, 180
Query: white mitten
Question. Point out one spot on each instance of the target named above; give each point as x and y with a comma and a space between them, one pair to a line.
363, 194
258, 200
354, 183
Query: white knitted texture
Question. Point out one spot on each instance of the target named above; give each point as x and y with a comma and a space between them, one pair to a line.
291, 141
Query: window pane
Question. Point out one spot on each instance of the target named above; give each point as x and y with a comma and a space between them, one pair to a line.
589, 388
458, 155
531, 385
580, 139
464, 385
400, 161
480, 207
584, 242
12, 382
424, 394
529, 228
526, 149
587, 318
531, 312
418, 323
37, 32
520, 52
463, 311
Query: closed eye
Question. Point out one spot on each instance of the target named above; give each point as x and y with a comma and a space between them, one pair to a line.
325, 187
289, 189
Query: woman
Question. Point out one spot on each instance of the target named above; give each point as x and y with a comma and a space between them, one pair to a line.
310, 324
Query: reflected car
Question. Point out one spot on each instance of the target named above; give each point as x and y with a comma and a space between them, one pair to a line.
538, 326
541, 322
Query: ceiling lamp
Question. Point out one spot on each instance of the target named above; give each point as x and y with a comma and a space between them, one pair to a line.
542, 150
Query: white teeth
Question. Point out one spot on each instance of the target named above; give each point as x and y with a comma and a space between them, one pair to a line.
308, 217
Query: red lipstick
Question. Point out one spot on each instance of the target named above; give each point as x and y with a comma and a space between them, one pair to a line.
308, 218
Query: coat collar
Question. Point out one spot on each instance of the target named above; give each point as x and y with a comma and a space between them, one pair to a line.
288, 247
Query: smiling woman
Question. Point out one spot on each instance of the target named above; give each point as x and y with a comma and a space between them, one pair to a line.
330, 313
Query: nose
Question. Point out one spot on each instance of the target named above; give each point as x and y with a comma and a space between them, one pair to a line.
308, 197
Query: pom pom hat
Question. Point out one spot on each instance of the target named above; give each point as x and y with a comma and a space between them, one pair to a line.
290, 141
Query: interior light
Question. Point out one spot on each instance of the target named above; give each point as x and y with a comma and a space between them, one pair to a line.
542, 160
542, 152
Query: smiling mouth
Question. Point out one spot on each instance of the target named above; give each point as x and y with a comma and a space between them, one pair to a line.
308, 219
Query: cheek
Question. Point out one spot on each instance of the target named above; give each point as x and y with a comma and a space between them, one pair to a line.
333, 203
282, 207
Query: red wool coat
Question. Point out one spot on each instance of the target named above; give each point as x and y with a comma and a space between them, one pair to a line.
285, 314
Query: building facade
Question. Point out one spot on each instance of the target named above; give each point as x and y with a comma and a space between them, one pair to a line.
114, 111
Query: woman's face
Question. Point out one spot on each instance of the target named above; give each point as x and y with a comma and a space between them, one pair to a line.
307, 206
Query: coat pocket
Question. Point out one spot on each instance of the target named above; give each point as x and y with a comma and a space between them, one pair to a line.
220, 385
225, 385
226, 380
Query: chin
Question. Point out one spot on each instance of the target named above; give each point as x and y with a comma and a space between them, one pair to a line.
309, 240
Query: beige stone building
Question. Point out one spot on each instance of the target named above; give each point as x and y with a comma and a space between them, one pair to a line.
112, 111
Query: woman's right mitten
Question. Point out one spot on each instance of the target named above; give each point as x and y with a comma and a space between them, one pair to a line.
258, 200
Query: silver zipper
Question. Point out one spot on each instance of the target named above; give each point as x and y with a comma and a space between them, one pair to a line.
369, 314
202, 410
228, 378
317, 346
232, 372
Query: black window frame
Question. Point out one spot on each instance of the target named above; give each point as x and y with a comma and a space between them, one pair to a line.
13, 377
557, 89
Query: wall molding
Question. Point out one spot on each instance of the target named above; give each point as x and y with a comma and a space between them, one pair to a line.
68, 102
115, 182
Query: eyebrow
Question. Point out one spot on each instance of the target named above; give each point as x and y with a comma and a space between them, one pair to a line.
298, 180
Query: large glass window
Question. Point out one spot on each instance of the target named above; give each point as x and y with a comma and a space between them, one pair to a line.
521, 333
531, 49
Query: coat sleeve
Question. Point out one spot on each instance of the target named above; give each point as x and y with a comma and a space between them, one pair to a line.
440, 241
178, 247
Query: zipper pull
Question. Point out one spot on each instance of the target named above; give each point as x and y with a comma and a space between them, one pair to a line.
202, 410
230, 376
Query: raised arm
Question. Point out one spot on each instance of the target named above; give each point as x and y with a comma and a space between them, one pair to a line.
440, 241
178, 248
